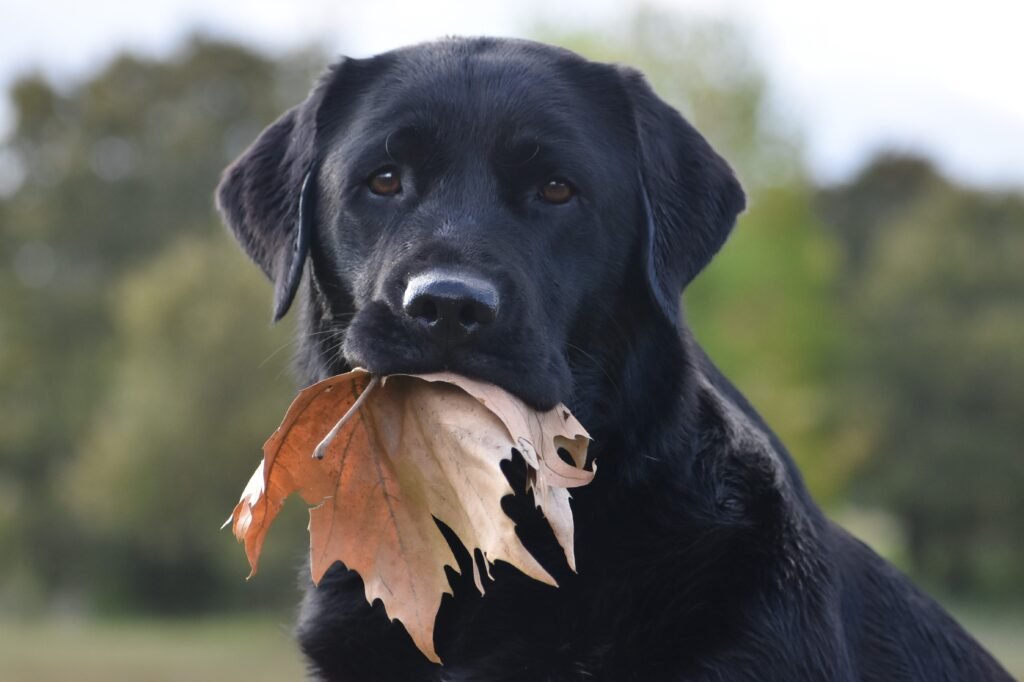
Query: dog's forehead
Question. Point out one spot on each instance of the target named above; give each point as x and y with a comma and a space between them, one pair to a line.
469, 85
483, 67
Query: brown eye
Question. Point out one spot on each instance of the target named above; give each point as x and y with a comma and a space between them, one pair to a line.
386, 182
556, 191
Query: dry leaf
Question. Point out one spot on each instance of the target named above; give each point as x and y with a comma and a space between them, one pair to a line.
398, 454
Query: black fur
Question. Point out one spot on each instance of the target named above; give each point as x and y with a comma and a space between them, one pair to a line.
700, 554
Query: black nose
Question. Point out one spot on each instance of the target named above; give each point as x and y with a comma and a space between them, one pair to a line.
454, 306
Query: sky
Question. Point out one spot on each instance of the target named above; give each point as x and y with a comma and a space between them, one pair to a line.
941, 77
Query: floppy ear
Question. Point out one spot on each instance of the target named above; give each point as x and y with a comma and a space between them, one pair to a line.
266, 196
690, 196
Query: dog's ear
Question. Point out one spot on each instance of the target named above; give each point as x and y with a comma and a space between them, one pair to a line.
266, 196
690, 196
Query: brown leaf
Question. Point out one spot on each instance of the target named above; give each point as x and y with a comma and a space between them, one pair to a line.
395, 456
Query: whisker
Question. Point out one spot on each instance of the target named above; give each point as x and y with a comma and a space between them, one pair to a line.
295, 339
597, 363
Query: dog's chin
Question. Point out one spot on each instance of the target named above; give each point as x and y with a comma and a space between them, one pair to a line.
536, 374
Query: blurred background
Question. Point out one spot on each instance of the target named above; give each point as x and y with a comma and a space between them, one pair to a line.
870, 302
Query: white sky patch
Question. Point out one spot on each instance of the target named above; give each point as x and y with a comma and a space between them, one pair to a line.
942, 78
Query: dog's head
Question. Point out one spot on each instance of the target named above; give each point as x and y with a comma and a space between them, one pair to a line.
502, 209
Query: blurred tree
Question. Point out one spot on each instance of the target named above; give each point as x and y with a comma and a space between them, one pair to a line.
192, 396
763, 309
935, 283
97, 180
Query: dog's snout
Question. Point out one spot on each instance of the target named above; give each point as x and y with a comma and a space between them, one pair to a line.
453, 306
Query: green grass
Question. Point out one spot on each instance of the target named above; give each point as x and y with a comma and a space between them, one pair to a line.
255, 649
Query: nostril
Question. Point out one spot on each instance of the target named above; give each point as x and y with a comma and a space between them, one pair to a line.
423, 308
467, 315
479, 312
427, 310
473, 313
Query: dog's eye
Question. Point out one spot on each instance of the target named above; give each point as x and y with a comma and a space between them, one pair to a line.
556, 191
385, 182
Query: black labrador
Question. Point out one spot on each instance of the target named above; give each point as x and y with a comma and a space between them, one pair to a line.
516, 213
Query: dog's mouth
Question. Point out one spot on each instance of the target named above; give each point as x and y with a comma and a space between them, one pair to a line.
515, 359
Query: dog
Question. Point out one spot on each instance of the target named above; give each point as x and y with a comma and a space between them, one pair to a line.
518, 214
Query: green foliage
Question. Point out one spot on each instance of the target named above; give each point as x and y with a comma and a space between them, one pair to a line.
195, 391
934, 282
110, 232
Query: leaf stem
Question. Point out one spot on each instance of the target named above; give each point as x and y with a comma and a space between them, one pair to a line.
321, 449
